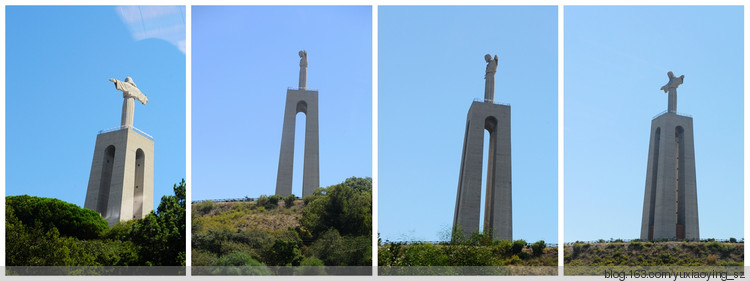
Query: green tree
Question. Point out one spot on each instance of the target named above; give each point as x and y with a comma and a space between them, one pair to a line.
67, 218
161, 234
283, 252
346, 207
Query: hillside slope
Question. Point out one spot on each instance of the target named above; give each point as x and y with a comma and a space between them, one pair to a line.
330, 227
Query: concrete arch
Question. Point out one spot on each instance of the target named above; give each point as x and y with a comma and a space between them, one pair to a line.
106, 180
495, 119
138, 181
304, 101
301, 107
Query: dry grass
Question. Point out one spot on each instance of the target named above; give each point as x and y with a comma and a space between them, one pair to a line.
241, 215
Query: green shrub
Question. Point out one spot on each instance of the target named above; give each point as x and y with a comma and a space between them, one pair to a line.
203, 258
283, 252
273, 201
389, 254
262, 202
513, 260
310, 266
289, 200
267, 202
502, 248
205, 207
236, 259
424, 255
577, 249
461, 255
238, 263
120, 231
330, 247
517, 246
537, 249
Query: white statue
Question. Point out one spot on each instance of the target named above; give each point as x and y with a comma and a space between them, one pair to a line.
489, 77
302, 69
671, 87
674, 82
130, 92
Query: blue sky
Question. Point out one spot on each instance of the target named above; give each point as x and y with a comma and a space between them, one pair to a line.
58, 60
431, 67
244, 59
616, 59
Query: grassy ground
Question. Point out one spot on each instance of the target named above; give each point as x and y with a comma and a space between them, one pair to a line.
233, 216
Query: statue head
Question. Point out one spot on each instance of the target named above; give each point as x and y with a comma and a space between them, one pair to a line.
302, 53
487, 57
130, 80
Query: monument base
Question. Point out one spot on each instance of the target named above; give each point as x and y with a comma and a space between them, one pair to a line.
670, 205
498, 212
121, 183
305, 101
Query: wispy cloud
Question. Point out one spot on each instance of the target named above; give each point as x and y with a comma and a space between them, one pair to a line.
160, 22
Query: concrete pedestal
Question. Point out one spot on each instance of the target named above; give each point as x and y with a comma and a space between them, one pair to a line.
297, 101
670, 205
121, 183
498, 214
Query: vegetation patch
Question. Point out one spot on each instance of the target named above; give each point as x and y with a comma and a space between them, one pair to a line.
660, 253
468, 253
51, 232
331, 227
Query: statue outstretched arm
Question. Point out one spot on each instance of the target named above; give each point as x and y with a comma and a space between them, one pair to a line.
141, 97
118, 84
129, 90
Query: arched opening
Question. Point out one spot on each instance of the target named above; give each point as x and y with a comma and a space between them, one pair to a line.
488, 172
138, 184
106, 180
654, 174
483, 187
679, 182
298, 164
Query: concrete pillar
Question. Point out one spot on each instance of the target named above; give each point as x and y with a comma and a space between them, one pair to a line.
489, 86
306, 102
302, 78
115, 173
672, 100
670, 205
128, 107
498, 199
